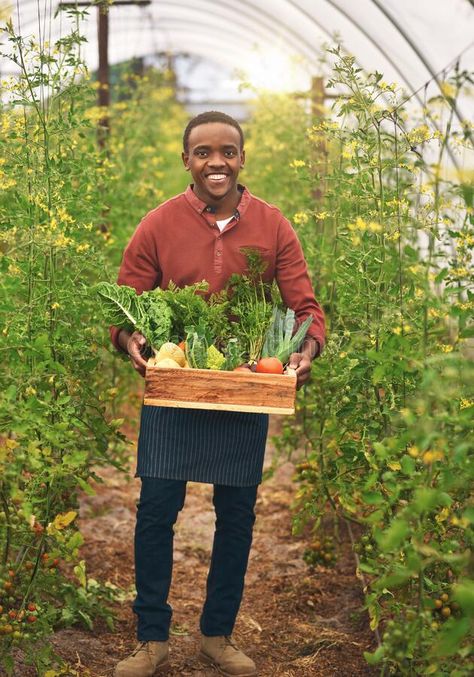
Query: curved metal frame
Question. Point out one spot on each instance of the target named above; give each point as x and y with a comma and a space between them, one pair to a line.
268, 19
414, 48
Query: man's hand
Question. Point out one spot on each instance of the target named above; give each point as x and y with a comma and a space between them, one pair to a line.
134, 345
301, 362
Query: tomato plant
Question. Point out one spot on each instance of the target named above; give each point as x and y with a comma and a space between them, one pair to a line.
385, 422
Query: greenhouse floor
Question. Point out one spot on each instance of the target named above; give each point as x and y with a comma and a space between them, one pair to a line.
293, 621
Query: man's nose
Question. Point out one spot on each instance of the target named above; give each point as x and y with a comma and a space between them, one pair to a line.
216, 160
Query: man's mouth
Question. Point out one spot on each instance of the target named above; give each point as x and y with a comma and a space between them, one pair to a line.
216, 178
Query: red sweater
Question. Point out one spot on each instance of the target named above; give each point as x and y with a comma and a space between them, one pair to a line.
180, 241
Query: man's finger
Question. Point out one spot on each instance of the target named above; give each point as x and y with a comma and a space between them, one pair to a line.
295, 359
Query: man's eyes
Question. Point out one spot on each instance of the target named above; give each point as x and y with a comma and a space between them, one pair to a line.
204, 153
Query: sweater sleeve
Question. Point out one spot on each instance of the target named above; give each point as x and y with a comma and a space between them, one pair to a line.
140, 266
295, 284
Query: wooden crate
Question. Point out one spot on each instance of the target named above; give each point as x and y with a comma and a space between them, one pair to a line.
222, 390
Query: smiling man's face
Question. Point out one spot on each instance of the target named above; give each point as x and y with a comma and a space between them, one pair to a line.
214, 157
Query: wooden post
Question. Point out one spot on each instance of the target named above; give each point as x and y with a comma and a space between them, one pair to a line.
103, 45
103, 73
320, 152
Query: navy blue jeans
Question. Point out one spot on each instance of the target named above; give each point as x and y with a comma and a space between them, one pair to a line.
158, 508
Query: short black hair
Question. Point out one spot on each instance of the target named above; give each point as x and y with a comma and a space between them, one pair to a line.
211, 116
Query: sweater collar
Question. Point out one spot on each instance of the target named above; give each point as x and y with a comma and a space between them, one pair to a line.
201, 207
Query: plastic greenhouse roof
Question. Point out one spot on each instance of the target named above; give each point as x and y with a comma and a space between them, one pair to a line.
277, 42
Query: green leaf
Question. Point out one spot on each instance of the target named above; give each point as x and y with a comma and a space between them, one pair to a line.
376, 657
86, 618
408, 464
75, 541
86, 487
463, 593
449, 639
393, 537
468, 515
378, 373
425, 499
80, 571
372, 497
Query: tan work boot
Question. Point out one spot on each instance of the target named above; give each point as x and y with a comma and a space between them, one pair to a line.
225, 655
146, 660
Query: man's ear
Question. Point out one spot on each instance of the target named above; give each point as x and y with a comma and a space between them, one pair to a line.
242, 159
185, 159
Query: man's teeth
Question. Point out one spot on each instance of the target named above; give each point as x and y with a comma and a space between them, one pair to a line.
216, 177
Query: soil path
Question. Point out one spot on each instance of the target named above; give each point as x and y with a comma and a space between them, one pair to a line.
293, 621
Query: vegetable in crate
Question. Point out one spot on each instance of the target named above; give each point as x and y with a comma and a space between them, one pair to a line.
280, 342
148, 313
169, 352
250, 303
189, 308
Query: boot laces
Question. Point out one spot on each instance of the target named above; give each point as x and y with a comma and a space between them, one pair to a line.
230, 642
141, 647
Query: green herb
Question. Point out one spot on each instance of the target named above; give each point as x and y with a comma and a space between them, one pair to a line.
189, 308
250, 304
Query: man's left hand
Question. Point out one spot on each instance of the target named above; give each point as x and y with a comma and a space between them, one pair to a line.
301, 363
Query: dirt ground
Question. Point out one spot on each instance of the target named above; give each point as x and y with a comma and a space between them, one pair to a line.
293, 621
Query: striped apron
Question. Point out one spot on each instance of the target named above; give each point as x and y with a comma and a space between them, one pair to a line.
200, 445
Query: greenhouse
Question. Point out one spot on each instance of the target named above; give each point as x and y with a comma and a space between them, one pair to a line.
236, 251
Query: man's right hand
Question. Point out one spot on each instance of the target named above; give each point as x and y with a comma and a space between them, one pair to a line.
134, 344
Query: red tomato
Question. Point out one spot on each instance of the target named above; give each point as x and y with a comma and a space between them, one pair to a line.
269, 365
242, 368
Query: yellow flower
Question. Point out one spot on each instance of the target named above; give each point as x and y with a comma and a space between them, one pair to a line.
448, 90
442, 516
459, 272
374, 227
64, 216
61, 242
297, 163
446, 348
359, 224
55, 305
430, 457
465, 403
419, 134
13, 269
82, 247
300, 217
414, 451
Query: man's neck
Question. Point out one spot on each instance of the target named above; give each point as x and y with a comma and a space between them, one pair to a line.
225, 208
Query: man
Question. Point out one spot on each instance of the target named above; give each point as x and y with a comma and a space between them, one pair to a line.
194, 236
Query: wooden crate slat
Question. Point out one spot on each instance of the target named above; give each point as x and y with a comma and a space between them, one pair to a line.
224, 390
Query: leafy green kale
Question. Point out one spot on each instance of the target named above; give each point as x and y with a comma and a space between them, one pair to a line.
189, 308
147, 313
